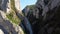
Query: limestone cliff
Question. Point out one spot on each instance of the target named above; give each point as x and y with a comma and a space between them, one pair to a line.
9, 21
17, 5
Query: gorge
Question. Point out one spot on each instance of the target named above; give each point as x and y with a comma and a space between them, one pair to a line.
40, 18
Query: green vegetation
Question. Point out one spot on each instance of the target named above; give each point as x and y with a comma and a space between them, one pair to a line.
31, 6
12, 15
13, 18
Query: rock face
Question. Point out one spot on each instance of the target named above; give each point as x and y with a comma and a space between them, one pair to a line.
17, 2
48, 20
6, 25
1, 32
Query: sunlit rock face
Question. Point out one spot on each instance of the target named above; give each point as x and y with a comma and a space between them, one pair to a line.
17, 5
5, 5
1, 32
49, 17
6, 26
8, 8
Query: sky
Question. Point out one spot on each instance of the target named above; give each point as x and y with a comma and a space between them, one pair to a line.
24, 3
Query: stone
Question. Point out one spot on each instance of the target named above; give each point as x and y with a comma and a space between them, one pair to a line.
1, 32
48, 13
7, 26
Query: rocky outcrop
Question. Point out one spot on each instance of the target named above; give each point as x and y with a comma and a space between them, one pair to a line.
6, 25
1, 31
48, 20
17, 2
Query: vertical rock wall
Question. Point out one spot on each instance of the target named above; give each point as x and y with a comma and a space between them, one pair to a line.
49, 17
5, 24
17, 5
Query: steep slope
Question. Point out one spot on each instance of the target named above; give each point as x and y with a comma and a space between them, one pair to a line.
48, 12
9, 21
7, 26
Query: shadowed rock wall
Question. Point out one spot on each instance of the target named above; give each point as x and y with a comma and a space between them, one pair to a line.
48, 16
